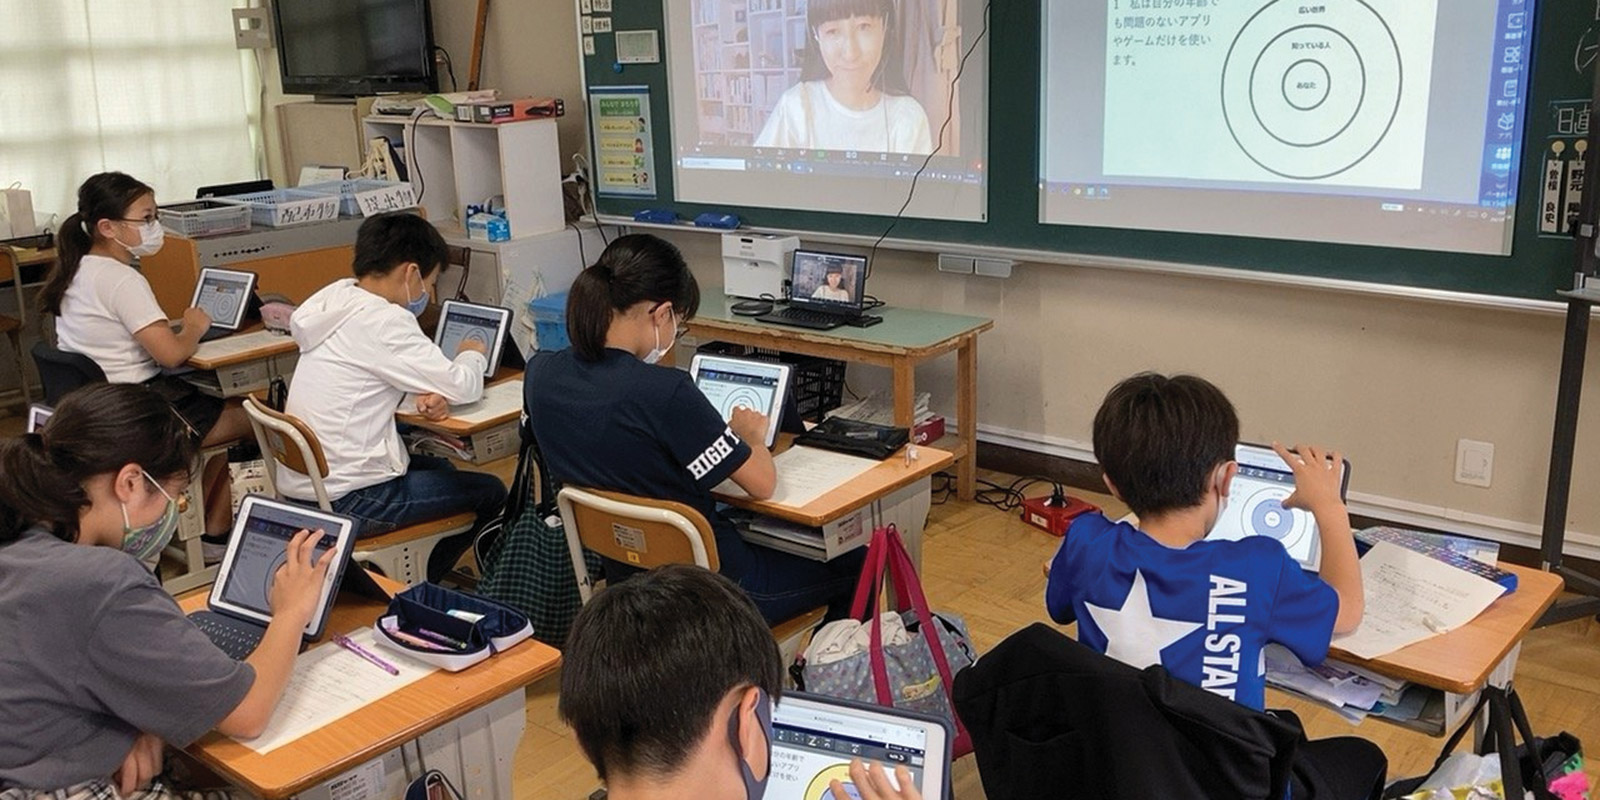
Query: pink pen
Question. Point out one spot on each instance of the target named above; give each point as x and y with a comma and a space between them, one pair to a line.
349, 644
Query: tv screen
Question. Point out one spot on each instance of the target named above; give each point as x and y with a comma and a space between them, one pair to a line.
355, 47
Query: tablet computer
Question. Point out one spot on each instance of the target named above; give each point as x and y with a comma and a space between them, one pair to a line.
224, 294
460, 321
256, 549
1255, 505
37, 414
733, 382
814, 739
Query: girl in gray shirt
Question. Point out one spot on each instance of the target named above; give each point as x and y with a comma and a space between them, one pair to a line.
101, 668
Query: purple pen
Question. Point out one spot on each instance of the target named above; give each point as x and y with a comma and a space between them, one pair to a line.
349, 644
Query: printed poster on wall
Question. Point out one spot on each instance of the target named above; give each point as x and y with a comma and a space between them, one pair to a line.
623, 150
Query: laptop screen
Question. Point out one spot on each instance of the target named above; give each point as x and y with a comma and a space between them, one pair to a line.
266, 531
814, 742
828, 281
224, 295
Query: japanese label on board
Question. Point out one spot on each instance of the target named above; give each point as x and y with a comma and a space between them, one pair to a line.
389, 198
623, 151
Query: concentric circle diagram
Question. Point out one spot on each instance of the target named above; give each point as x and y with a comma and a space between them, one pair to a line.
225, 305
1310, 91
748, 398
1264, 514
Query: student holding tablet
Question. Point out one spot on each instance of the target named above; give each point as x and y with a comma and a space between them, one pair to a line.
361, 354
606, 415
104, 309
103, 669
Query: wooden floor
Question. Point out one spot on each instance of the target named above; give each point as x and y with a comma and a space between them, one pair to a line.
985, 565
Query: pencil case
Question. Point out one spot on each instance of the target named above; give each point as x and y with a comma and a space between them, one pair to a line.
449, 629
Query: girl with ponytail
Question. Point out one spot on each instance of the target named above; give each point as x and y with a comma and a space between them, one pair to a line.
102, 668
104, 309
606, 415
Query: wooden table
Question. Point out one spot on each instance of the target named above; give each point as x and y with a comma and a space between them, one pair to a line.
489, 428
889, 475
400, 717
244, 362
905, 338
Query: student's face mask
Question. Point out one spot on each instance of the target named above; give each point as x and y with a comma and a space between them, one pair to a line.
151, 237
658, 352
419, 305
754, 788
145, 541
1222, 499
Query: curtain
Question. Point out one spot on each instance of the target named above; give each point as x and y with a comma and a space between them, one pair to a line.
155, 89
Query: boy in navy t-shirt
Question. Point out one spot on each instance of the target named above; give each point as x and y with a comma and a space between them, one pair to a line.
1161, 593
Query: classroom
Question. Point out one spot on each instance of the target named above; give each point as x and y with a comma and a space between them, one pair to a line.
447, 308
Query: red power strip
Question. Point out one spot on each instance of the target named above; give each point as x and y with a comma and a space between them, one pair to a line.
1038, 512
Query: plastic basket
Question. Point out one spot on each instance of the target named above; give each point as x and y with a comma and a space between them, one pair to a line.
281, 208
198, 218
346, 191
550, 321
817, 384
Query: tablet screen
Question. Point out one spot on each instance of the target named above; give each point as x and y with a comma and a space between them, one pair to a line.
224, 295
730, 383
1255, 506
260, 546
464, 322
37, 414
814, 741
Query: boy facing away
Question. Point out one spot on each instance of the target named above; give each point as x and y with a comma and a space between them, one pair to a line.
1161, 593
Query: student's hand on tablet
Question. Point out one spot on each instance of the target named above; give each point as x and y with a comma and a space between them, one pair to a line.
298, 584
433, 406
872, 783
1317, 477
472, 346
750, 425
196, 319
140, 766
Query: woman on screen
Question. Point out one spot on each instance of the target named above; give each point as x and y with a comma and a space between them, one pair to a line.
830, 288
851, 94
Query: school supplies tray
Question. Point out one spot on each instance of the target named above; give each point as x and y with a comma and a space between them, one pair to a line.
281, 208
347, 190
197, 218
449, 629
1437, 548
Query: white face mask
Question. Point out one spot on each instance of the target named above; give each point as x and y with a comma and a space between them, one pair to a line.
658, 352
151, 237
1222, 508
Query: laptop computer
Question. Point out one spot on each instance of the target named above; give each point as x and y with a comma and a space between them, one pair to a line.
37, 414
814, 739
460, 321
237, 612
733, 382
1255, 506
225, 294
826, 292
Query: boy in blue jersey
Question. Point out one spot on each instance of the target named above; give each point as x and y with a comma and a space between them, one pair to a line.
1161, 593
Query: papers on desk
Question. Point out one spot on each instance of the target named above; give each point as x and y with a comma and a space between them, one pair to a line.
805, 474
1349, 692
330, 682
1410, 597
498, 400
238, 343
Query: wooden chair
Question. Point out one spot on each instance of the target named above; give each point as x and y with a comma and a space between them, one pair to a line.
646, 533
401, 554
11, 328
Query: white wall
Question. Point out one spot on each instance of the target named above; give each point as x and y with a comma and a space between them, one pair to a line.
1392, 383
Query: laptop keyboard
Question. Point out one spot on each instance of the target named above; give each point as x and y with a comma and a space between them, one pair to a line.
235, 640
803, 318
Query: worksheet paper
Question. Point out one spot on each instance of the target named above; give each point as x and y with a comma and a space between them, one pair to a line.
330, 682
498, 400
238, 343
805, 474
1410, 597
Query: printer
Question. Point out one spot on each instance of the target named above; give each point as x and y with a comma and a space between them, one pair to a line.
756, 265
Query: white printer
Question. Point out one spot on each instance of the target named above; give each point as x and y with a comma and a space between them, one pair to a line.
757, 266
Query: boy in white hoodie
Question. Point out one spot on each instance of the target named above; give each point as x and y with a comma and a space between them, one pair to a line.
361, 353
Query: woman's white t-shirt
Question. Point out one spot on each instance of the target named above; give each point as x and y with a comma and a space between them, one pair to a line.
826, 292
807, 115
106, 303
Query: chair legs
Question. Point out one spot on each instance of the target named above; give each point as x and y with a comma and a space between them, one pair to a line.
22, 366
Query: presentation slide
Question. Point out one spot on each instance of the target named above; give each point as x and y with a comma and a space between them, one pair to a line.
263, 550
1382, 122
829, 105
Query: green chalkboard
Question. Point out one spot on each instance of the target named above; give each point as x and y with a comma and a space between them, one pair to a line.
1564, 42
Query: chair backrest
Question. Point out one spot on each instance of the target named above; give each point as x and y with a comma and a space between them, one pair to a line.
638, 531
289, 441
61, 371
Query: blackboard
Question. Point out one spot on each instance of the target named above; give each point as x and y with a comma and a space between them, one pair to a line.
1564, 43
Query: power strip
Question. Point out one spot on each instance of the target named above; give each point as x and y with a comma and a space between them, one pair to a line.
1054, 513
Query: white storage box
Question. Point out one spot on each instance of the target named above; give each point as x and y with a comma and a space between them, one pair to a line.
281, 208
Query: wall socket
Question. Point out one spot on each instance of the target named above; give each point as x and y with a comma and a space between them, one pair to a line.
1474, 462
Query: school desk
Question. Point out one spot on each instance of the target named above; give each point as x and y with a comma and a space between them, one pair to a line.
488, 428
905, 338
466, 724
898, 490
237, 365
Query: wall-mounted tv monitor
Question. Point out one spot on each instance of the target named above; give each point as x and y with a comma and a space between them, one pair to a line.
355, 47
